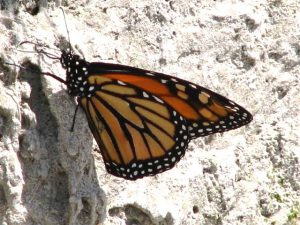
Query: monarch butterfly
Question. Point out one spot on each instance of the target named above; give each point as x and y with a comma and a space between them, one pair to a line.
144, 120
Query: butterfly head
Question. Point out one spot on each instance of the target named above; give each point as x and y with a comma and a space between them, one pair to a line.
66, 58
77, 73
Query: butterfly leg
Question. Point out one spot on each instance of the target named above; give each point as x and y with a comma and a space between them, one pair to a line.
74, 118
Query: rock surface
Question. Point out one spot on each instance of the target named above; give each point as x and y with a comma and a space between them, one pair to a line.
248, 51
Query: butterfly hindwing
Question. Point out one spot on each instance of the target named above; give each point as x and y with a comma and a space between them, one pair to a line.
138, 134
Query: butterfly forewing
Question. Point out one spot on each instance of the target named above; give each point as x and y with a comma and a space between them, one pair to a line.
205, 111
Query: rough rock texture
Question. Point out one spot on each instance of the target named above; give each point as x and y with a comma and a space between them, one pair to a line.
246, 50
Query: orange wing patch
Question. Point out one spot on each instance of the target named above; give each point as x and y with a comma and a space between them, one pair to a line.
160, 90
219, 110
144, 83
98, 80
155, 149
182, 107
164, 139
208, 114
164, 124
118, 133
121, 106
99, 133
159, 108
118, 89
141, 149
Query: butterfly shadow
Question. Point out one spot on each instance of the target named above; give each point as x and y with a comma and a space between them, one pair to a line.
59, 170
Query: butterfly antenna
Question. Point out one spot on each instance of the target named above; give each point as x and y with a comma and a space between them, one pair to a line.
63, 12
38, 48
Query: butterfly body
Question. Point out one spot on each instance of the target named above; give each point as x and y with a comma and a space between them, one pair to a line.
143, 120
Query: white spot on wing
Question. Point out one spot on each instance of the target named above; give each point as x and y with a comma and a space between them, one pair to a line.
150, 74
193, 85
145, 95
120, 82
158, 99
